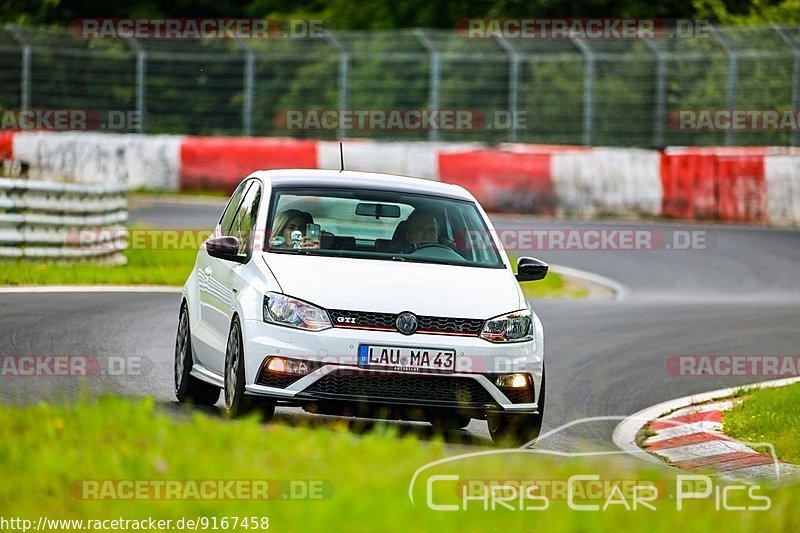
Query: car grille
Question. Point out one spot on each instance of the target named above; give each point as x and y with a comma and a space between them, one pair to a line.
386, 386
386, 322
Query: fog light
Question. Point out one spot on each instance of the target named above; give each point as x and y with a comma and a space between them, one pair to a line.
285, 366
512, 381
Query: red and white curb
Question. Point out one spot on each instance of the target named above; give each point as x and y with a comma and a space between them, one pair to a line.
690, 437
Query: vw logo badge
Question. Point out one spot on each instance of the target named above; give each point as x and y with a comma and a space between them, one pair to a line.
406, 323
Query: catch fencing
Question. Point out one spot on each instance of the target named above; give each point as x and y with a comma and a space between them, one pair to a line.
568, 91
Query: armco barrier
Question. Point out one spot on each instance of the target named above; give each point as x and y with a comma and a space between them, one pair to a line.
46, 221
750, 185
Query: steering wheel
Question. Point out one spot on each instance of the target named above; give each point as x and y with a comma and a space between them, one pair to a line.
434, 245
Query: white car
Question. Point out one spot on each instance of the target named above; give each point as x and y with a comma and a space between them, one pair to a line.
362, 294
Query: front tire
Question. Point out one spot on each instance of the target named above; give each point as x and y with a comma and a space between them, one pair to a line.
237, 403
516, 430
189, 389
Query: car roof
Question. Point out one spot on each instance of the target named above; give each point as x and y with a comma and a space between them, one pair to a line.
361, 180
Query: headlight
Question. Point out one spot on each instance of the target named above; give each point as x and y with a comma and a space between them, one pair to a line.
287, 311
513, 327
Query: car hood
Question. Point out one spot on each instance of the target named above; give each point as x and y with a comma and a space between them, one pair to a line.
392, 286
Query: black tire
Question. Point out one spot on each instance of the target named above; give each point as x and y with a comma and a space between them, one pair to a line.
449, 421
189, 389
516, 430
237, 403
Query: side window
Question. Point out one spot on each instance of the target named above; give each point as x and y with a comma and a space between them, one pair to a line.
245, 220
233, 205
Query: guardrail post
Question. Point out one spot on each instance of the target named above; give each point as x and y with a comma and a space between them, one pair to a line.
588, 91
25, 71
513, 85
793, 44
435, 77
733, 75
344, 70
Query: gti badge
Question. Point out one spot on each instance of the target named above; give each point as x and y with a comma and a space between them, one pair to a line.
406, 323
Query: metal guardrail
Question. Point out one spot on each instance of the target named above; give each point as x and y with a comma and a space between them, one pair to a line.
62, 221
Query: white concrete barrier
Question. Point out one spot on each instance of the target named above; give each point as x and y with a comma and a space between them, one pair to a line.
418, 159
782, 173
133, 161
607, 181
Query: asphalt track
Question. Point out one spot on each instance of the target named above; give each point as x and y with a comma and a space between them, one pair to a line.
740, 294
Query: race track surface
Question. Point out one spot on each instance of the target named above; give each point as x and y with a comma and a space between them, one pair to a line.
738, 295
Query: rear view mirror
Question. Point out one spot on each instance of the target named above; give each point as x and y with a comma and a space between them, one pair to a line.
226, 248
530, 269
364, 209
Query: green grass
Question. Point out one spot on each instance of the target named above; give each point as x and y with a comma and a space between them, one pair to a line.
769, 415
172, 267
45, 450
144, 267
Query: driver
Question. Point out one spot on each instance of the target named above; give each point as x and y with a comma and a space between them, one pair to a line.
423, 228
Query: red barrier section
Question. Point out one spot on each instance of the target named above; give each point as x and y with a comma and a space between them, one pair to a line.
6, 144
500, 180
222, 162
742, 188
714, 183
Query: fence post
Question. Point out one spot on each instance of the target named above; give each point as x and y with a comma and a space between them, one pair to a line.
344, 69
513, 85
141, 87
25, 71
733, 75
789, 40
660, 114
588, 91
248, 88
435, 77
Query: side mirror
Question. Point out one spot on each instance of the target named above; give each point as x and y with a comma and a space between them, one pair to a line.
530, 269
226, 248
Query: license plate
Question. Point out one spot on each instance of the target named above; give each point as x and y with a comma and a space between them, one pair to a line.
406, 359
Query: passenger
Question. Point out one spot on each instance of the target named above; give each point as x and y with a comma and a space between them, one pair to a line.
288, 221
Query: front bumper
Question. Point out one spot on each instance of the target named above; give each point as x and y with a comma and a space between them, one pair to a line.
336, 351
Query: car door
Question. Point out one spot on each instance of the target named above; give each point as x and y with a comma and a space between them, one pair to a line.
205, 335
225, 277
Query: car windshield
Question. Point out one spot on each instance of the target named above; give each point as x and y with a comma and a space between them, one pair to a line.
384, 225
